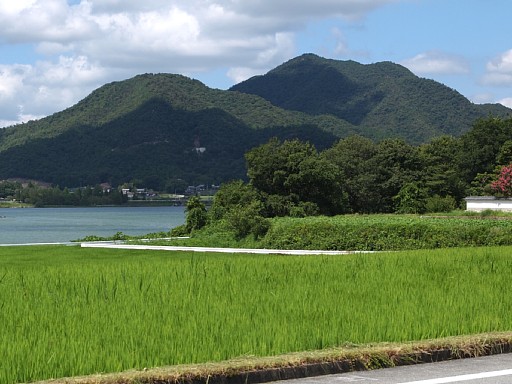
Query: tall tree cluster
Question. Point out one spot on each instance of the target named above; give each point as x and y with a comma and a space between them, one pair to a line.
357, 175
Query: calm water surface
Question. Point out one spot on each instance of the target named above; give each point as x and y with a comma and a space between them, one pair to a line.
50, 225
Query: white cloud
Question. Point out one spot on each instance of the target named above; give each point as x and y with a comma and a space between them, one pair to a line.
15, 7
149, 38
240, 74
11, 80
482, 98
305, 9
30, 91
436, 62
499, 70
85, 44
341, 48
278, 49
496, 78
11, 89
38, 21
502, 64
507, 102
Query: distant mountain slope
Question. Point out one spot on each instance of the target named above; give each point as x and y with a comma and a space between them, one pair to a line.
155, 141
380, 100
166, 127
118, 99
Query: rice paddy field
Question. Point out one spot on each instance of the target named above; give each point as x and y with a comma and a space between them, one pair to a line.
67, 311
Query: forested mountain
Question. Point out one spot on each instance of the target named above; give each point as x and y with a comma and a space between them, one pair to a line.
165, 130
152, 128
117, 100
154, 144
379, 100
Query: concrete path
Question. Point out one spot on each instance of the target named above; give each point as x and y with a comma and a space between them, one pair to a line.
213, 249
36, 244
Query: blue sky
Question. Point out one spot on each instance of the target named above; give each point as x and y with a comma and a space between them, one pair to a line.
53, 53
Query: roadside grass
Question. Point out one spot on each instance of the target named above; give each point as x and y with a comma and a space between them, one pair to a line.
69, 311
252, 369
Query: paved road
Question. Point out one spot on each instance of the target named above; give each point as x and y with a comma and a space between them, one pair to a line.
482, 370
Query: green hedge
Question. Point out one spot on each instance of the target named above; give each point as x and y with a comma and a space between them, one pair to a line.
386, 232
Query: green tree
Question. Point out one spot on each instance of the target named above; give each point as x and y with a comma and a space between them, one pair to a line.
438, 203
196, 214
294, 170
482, 145
394, 164
240, 206
441, 173
353, 157
232, 195
9, 188
247, 220
269, 164
412, 198
504, 156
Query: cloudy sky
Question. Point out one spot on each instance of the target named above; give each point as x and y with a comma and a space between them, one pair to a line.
53, 53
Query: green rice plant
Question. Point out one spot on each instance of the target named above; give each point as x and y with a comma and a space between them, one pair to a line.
68, 311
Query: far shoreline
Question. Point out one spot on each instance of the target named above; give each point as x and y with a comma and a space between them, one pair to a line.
127, 205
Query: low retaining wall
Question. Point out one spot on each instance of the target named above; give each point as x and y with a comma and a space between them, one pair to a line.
482, 203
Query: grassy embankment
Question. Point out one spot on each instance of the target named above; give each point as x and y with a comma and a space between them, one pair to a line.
365, 232
68, 311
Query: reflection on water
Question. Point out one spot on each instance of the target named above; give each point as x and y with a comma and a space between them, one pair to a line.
49, 225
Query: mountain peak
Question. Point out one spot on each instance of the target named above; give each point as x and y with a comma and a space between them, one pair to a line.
380, 100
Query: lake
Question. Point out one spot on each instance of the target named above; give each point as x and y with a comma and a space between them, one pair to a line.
55, 225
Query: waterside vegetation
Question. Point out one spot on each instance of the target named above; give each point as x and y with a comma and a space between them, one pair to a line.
358, 232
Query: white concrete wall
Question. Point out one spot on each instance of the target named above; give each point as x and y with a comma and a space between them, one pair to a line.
481, 203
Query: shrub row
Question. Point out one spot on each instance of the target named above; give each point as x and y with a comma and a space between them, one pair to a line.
386, 232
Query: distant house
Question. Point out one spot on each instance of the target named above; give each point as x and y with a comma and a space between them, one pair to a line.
482, 203
194, 189
129, 194
106, 187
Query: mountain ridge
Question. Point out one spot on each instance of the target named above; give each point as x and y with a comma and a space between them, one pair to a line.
376, 95
154, 124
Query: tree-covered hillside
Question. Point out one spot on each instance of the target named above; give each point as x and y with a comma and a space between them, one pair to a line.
119, 99
380, 100
164, 127
154, 142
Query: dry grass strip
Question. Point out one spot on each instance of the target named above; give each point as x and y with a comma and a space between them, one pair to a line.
348, 358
